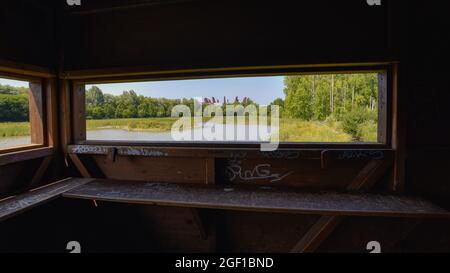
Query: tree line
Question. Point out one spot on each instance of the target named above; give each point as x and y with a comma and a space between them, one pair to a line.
13, 104
131, 105
351, 99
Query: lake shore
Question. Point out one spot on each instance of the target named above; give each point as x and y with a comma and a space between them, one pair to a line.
291, 130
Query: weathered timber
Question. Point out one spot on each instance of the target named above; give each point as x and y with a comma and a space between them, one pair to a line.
12, 206
256, 199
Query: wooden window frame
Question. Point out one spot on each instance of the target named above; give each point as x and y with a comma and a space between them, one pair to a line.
42, 109
78, 80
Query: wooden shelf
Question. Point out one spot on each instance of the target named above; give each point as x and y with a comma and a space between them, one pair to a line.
14, 205
256, 199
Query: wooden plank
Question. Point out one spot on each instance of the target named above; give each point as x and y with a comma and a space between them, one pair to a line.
330, 157
21, 148
152, 72
25, 69
15, 157
18, 204
36, 113
80, 166
161, 169
285, 154
257, 199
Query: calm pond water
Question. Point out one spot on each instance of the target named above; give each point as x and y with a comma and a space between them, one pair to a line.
120, 135
124, 135
8, 142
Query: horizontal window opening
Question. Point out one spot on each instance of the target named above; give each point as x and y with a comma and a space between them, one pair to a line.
316, 108
15, 128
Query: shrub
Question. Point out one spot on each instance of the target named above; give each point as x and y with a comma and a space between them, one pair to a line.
352, 122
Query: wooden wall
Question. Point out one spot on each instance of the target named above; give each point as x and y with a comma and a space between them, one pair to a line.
28, 32
428, 94
199, 33
202, 34
28, 43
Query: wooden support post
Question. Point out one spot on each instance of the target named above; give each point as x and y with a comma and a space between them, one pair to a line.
80, 166
36, 113
79, 113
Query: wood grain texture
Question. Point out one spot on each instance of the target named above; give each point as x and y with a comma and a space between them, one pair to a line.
36, 109
15, 157
317, 234
256, 199
18, 204
80, 166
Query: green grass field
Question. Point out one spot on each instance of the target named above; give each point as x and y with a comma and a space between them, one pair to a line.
14, 129
291, 130
133, 124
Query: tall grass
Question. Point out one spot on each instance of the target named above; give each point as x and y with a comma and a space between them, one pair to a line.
294, 130
136, 124
14, 129
291, 130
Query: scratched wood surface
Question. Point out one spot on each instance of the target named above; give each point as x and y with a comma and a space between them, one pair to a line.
18, 204
256, 199
308, 169
171, 170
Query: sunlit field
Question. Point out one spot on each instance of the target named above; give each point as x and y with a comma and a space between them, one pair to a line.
14, 129
291, 130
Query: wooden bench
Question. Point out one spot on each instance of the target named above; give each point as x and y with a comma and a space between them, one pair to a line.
14, 205
256, 199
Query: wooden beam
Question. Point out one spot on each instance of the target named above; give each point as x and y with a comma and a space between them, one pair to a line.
369, 175
144, 150
320, 231
399, 116
150, 73
24, 70
15, 157
80, 166
51, 125
311, 241
36, 105
65, 111
14, 205
37, 178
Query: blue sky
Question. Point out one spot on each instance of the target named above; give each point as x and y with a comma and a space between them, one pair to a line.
262, 90
14, 83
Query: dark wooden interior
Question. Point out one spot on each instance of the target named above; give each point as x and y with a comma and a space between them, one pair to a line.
159, 197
